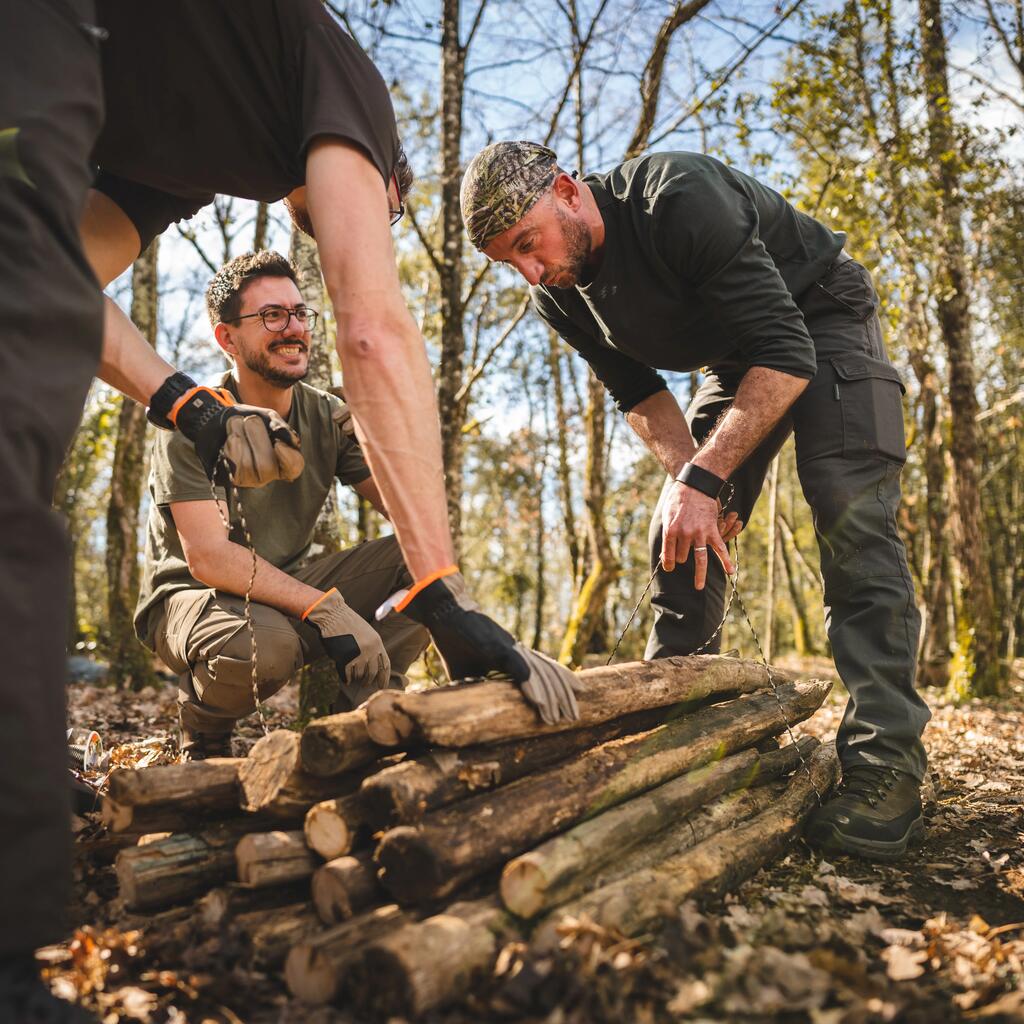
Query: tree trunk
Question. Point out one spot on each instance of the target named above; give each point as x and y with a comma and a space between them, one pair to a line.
273, 858
714, 866
558, 870
316, 967
801, 623
403, 793
130, 662
452, 845
337, 744
493, 712
259, 232
564, 474
331, 826
344, 887
768, 641
978, 670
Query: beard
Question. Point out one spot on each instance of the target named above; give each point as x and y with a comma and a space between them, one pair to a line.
578, 249
259, 363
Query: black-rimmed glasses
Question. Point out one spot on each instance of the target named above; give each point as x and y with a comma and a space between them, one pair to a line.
276, 318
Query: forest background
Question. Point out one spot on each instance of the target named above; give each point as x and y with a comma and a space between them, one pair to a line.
897, 122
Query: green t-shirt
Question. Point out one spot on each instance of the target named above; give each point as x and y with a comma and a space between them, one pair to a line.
281, 516
701, 266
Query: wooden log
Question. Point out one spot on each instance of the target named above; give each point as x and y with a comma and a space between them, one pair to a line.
714, 866
429, 861
203, 785
427, 964
176, 868
221, 905
123, 819
403, 793
557, 870
337, 744
492, 712
271, 778
331, 826
265, 936
273, 858
344, 887
317, 966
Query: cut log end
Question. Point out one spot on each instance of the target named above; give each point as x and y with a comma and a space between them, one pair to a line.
310, 976
327, 832
410, 866
386, 723
523, 885
267, 769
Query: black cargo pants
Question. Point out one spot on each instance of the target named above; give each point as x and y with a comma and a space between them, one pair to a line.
850, 449
51, 325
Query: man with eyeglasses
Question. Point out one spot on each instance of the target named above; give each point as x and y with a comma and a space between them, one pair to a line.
191, 607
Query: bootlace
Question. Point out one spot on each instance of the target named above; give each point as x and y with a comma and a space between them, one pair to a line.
867, 781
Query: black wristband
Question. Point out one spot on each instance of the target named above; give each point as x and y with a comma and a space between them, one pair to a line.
702, 480
162, 401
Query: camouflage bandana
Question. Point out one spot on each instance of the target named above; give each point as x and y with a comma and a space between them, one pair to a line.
501, 186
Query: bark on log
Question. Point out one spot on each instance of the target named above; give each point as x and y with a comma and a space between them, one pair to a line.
426, 964
337, 744
331, 826
124, 819
403, 793
490, 712
344, 887
176, 868
265, 936
712, 867
429, 861
272, 779
220, 906
203, 785
317, 967
273, 858
558, 869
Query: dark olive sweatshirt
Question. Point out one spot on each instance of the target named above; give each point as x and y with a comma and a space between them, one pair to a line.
702, 266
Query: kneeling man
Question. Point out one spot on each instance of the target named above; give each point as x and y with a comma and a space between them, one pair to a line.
191, 607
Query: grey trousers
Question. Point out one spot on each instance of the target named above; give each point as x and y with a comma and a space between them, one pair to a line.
850, 450
203, 636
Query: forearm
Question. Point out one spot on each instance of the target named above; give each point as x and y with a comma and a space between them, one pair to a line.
659, 423
128, 362
762, 399
228, 567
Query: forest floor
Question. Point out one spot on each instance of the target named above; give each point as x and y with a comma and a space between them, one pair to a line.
938, 936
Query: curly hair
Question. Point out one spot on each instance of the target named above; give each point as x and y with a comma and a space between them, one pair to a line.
224, 293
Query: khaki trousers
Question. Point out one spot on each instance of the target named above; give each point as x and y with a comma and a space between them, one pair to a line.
203, 636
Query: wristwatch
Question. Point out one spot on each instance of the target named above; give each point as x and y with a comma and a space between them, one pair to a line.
702, 480
165, 397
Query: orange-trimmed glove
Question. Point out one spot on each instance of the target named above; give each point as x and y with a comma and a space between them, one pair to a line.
472, 644
253, 446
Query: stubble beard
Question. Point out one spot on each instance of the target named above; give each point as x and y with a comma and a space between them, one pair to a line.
259, 363
578, 249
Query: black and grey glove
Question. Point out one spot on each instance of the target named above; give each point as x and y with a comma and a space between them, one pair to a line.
472, 644
253, 445
352, 644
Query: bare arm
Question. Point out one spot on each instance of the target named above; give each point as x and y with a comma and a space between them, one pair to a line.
222, 564
369, 490
659, 423
387, 376
111, 243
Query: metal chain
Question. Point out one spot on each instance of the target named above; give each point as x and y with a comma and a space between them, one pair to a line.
734, 594
252, 579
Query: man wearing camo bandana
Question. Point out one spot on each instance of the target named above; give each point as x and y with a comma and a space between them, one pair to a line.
675, 261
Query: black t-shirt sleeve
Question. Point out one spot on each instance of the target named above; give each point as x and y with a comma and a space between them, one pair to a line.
628, 382
149, 209
343, 94
707, 233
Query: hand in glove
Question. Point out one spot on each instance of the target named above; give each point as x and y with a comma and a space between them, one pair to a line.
352, 644
472, 644
254, 445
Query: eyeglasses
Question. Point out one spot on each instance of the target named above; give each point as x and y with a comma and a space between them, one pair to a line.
396, 215
277, 318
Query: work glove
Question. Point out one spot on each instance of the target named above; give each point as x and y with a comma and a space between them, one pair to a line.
251, 445
472, 644
352, 644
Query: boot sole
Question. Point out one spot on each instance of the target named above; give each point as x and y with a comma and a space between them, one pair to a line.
873, 849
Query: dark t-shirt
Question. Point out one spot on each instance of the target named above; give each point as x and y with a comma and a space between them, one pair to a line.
701, 266
281, 516
224, 96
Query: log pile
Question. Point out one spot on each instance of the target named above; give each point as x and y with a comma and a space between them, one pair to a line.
407, 841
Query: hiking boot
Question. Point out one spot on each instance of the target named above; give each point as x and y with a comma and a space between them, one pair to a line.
875, 813
25, 999
199, 746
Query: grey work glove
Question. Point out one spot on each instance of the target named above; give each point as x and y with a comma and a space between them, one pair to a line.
472, 644
352, 644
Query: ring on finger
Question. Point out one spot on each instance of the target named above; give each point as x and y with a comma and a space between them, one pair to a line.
703, 547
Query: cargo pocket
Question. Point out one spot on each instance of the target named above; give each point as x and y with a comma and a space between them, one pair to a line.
870, 394
849, 287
